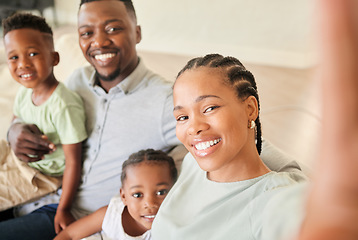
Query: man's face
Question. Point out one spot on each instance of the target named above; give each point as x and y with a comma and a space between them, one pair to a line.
108, 35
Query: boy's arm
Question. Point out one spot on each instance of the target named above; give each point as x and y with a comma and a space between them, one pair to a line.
71, 179
84, 227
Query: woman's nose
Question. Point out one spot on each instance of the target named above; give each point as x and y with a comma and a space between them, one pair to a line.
196, 126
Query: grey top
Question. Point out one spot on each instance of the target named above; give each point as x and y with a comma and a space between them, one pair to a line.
135, 114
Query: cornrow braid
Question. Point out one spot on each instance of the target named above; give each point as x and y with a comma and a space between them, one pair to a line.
242, 80
150, 156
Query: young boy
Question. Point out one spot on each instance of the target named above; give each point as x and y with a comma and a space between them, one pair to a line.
147, 176
48, 104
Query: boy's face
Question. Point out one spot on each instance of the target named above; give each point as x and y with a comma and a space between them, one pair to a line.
108, 35
144, 190
30, 56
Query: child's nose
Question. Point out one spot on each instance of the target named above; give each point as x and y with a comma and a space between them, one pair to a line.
23, 63
151, 202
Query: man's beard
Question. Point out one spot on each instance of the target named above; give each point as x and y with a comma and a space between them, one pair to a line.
110, 77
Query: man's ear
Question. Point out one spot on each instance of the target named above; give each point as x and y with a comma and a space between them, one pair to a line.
252, 108
138, 34
123, 196
55, 58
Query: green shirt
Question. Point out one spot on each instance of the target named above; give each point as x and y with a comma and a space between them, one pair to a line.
61, 118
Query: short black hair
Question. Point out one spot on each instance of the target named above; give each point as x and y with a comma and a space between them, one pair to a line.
150, 156
127, 3
25, 20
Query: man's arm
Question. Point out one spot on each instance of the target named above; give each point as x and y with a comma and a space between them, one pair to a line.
28, 142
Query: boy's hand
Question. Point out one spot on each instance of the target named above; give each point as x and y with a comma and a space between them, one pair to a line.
63, 218
28, 142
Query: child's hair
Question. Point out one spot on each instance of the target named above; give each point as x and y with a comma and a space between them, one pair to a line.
25, 20
238, 77
150, 156
127, 3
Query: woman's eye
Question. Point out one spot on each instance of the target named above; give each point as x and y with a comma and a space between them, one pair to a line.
209, 109
162, 192
182, 118
137, 195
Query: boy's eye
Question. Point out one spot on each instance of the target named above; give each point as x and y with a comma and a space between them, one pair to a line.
13, 57
182, 118
162, 192
137, 195
33, 54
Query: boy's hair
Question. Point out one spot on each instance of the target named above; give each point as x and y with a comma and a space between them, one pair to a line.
237, 76
25, 20
127, 3
150, 156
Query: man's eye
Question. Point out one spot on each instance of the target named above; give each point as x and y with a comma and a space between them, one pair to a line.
137, 195
162, 192
113, 29
85, 34
182, 118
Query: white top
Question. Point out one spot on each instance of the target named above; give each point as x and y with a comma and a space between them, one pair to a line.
112, 227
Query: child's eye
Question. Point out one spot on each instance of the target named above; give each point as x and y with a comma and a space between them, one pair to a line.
33, 54
182, 118
209, 109
137, 195
13, 57
162, 192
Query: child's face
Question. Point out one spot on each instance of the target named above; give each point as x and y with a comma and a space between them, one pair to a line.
29, 56
144, 190
212, 122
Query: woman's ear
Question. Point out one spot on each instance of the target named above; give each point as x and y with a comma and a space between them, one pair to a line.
123, 196
252, 108
55, 58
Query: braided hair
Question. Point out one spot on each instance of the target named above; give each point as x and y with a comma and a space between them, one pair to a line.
238, 78
150, 156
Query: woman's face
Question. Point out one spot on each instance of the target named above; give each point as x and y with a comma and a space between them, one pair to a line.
212, 122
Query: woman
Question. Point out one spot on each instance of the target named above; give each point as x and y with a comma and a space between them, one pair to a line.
223, 193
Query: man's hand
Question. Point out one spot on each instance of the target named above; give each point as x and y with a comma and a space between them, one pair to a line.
63, 218
28, 142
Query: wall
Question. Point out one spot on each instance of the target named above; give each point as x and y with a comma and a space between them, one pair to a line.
275, 32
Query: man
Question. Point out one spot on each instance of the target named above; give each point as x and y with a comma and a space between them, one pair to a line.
128, 108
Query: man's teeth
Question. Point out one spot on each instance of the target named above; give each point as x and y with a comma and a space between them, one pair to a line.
104, 56
26, 75
205, 145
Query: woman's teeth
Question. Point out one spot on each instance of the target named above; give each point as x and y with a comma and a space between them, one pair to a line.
206, 145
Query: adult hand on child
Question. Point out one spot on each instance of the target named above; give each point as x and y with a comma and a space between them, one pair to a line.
28, 142
63, 218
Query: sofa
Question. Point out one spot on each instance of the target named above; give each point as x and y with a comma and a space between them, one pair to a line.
289, 97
